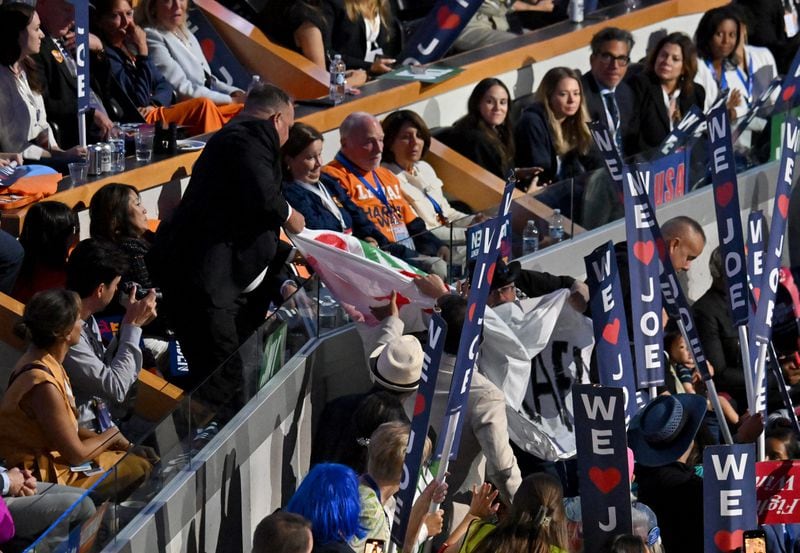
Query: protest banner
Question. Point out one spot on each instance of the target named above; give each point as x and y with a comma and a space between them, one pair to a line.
361, 276
534, 350
412, 464
665, 178
778, 492
761, 324
438, 31
612, 344
82, 64
469, 344
729, 495
602, 464
643, 266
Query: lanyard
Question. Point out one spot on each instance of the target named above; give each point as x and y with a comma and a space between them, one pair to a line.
723, 80
747, 81
422, 186
377, 192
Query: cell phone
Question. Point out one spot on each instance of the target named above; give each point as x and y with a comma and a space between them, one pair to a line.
755, 541
374, 546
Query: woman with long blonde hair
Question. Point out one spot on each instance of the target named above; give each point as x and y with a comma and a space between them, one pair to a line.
553, 133
362, 32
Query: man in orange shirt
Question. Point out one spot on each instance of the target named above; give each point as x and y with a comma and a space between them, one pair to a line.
376, 191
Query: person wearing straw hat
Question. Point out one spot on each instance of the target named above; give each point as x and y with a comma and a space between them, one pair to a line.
395, 366
663, 437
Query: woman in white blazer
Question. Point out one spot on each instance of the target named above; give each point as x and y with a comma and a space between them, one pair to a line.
177, 54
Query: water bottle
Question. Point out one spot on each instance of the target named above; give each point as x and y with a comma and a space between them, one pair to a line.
116, 138
338, 81
530, 238
575, 11
255, 80
556, 227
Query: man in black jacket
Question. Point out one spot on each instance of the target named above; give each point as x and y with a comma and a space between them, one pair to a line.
216, 261
608, 97
56, 64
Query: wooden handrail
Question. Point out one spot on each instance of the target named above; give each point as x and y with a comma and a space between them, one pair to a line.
142, 178
296, 74
10, 314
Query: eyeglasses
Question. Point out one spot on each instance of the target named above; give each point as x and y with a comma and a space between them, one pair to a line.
506, 288
607, 58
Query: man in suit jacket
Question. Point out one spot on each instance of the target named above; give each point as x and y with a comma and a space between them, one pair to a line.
216, 259
608, 98
60, 83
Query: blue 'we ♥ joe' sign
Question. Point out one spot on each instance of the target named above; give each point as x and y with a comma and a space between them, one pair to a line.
602, 464
729, 495
612, 346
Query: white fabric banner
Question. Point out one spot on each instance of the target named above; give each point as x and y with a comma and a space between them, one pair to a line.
534, 351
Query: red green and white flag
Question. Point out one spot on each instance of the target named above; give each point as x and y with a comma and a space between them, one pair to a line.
360, 275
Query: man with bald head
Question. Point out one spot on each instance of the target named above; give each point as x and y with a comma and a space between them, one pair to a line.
685, 240
357, 172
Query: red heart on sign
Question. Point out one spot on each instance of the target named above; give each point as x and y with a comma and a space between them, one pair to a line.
783, 205
605, 480
207, 46
471, 311
447, 20
724, 193
756, 293
728, 541
644, 251
419, 404
611, 332
788, 92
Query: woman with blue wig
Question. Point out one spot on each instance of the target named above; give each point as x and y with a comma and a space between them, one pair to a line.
329, 498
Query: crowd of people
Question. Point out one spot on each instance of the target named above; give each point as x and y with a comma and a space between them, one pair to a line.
206, 279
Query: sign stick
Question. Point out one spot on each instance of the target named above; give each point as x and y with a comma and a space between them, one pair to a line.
712, 391
449, 438
744, 349
82, 128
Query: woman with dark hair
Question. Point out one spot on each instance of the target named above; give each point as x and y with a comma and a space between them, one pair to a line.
665, 91
406, 141
537, 522
38, 426
363, 32
24, 126
729, 62
484, 134
328, 497
320, 199
50, 231
117, 215
553, 133
717, 38
127, 55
